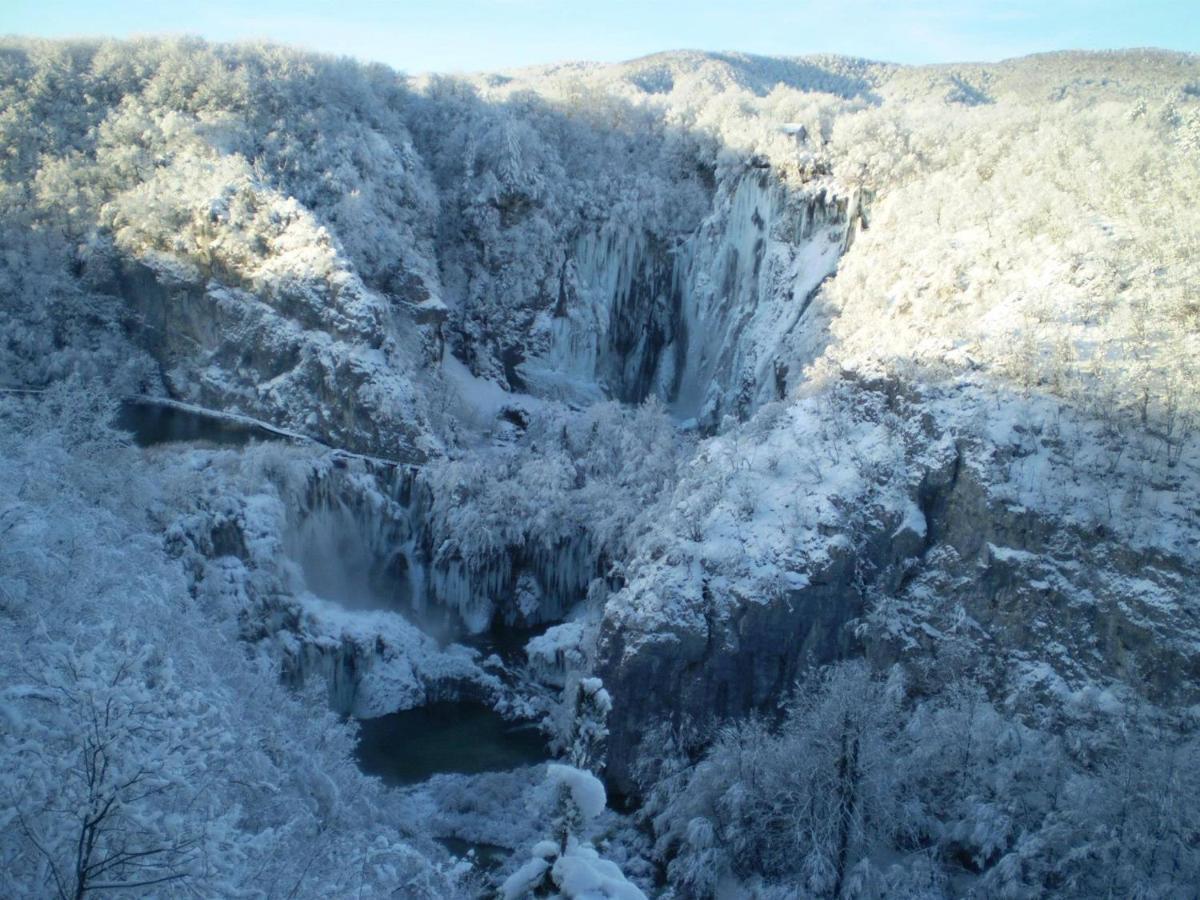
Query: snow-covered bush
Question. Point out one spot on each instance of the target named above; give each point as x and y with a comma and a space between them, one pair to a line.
863, 792
809, 803
568, 865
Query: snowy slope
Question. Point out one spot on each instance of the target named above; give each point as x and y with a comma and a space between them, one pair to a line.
730, 369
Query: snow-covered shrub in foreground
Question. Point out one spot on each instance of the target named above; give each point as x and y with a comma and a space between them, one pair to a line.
862, 792
568, 864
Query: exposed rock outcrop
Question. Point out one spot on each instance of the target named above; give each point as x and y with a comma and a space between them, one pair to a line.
332, 362
1034, 605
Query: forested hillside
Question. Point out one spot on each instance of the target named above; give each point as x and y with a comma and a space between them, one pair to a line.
805, 447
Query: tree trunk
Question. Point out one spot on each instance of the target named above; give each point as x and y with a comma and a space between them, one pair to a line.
847, 801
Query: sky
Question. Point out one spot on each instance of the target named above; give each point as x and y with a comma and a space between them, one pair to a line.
473, 35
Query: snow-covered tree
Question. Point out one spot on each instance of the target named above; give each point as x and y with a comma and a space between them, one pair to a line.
567, 865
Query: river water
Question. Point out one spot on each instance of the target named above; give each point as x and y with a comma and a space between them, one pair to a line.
152, 424
410, 746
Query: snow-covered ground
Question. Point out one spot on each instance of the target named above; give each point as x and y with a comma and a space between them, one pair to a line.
825, 429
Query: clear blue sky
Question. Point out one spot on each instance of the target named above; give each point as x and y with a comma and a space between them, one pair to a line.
463, 35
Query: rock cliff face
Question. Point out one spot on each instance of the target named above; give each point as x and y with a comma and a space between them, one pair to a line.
335, 362
711, 668
1041, 600
708, 321
718, 658
956, 579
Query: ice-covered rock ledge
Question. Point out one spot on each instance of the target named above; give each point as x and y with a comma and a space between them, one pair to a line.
956, 522
376, 662
248, 549
766, 556
332, 361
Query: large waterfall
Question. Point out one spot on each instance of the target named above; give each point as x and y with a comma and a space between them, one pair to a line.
703, 321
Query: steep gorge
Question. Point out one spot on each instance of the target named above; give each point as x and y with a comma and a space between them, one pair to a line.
522, 388
712, 324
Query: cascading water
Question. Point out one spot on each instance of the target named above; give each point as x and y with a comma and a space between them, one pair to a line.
748, 273
350, 555
611, 334
370, 540
705, 322
362, 539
